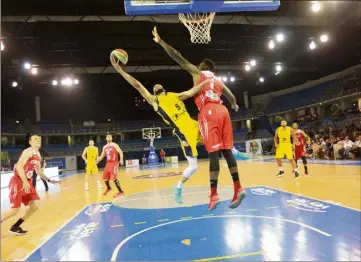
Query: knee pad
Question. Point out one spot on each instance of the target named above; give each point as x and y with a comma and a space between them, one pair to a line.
304, 160
214, 162
231, 160
192, 168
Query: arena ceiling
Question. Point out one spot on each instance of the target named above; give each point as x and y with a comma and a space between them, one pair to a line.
76, 36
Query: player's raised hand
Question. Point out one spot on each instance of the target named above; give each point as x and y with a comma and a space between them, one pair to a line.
156, 37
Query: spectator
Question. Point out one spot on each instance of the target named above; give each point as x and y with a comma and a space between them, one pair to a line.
347, 146
144, 160
162, 156
356, 149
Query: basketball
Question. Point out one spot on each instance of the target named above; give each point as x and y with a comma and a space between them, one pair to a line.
120, 55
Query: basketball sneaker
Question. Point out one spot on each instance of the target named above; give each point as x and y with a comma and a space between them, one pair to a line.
306, 173
297, 175
18, 231
106, 192
281, 173
239, 195
177, 193
99, 184
119, 194
214, 202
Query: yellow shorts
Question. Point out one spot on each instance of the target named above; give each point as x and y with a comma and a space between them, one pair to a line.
284, 150
189, 138
91, 168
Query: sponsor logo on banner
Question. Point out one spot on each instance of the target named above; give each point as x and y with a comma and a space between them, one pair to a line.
307, 205
254, 147
261, 191
92, 210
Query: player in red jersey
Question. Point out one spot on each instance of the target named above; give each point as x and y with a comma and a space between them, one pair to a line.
21, 189
214, 121
111, 151
300, 144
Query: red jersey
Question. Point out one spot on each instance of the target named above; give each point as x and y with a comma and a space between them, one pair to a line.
210, 93
300, 139
110, 153
31, 165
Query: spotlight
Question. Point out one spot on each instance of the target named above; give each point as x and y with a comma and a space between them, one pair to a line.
2, 46
76, 81
14, 84
55, 82
224, 79
27, 66
280, 37
67, 81
312, 45
278, 68
253, 62
108, 119
232, 79
247, 67
316, 6
34, 71
261, 79
271, 44
17, 121
324, 38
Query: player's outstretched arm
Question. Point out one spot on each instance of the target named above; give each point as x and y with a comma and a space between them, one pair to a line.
134, 82
43, 176
306, 136
231, 98
193, 91
175, 55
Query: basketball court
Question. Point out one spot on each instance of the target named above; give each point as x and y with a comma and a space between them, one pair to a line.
312, 218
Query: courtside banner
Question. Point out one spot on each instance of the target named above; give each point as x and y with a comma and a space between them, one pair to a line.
254, 147
132, 163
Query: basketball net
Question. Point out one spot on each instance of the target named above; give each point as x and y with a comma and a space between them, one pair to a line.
199, 26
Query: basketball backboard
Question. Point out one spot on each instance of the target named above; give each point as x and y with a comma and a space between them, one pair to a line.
159, 7
152, 133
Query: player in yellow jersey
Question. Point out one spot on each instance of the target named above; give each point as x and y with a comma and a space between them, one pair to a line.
90, 155
285, 147
171, 108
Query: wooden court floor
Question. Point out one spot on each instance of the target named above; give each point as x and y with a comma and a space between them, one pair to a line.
337, 183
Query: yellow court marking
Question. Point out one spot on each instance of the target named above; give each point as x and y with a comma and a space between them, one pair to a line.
163, 220
116, 225
231, 212
250, 210
231, 256
186, 242
140, 223
272, 207
185, 218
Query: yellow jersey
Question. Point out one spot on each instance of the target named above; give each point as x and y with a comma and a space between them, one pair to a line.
91, 154
174, 112
284, 134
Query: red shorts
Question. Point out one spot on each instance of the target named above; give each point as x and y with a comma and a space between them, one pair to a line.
299, 152
216, 127
110, 171
17, 195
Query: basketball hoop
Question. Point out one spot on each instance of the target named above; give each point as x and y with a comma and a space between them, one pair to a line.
199, 26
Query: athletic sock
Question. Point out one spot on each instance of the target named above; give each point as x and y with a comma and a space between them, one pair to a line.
306, 169
235, 179
116, 182
180, 184
108, 185
280, 169
295, 170
214, 184
18, 223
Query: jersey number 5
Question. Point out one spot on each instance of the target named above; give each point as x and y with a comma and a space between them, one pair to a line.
177, 106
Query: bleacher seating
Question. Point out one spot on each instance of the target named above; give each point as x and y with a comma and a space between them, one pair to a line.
307, 96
